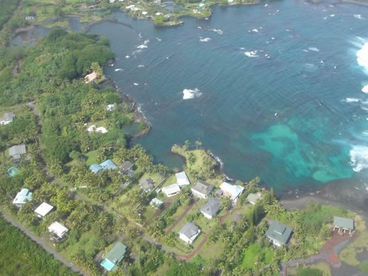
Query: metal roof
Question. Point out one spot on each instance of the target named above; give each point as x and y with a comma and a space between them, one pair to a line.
116, 254
279, 232
182, 179
345, 223
189, 230
211, 207
202, 187
17, 150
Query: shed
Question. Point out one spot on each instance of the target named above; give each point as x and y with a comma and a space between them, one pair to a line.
7, 118
189, 232
182, 179
114, 256
146, 184
210, 209
343, 224
58, 230
278, 233
43, 209
17, 151
171, 190
201, 189
252, 198
22, 197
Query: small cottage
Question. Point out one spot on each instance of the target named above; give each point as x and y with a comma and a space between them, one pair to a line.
44, 209
7, 118
22, 197
114, 256
58, 230
171, 190
278, 233
343, 225
16, 152
210, 209
189, 232
146, 184
231, 191
252, 198
201, 189
182, 179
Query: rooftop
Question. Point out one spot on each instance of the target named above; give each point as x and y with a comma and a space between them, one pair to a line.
146, 184
44, 209
279, 232
116, 254
182, 179
254, 197
58, 229
126, 166
17, 150
22, 197
104, 166
233, 190
211, 207
171, 189
189, 230
7, 117
202, 187
345, 223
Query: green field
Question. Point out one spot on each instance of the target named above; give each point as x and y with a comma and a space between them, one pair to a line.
21, 256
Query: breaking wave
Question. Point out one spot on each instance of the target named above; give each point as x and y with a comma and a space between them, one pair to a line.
359, 158
191, 93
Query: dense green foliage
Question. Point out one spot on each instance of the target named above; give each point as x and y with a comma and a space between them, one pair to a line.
301, 271
21, 256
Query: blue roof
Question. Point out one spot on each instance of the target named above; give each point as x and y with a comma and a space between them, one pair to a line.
95, 168
108, 165
22, 197
13, 171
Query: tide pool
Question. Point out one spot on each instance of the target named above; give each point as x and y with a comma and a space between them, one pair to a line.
275, 91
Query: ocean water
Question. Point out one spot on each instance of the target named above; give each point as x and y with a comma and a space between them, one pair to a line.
276, 90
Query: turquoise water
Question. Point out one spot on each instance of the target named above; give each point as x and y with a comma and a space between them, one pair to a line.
279, 88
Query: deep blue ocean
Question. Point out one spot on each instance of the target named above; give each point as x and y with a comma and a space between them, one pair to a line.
275, 90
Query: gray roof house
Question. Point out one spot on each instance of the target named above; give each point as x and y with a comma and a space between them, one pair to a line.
343, 224
146, 184
210, 209
201, 189
252, 198
189, 232
127, 168
7, 118
17, 151
278, 233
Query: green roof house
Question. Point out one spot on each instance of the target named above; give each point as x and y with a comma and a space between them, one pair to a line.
279, 234
114, 256
343, 224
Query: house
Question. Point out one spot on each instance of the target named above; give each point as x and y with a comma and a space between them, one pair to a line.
252, 198
201, 189
182, 179
58, 230
22, 197
279, 234
189, 232
146, 184
90, 77
12, 171
107, 165
156, 203
7, 118
211, 208
343, 225
43, 209
171, 190
15, 152
231, 191
114, 256
127, 168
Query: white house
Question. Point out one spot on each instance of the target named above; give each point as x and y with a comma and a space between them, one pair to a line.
171, 190
7, 118
189, 232
58, 230
43, 209
110, 107
182, 179
201, 189
232, 191
156, 203
22, 197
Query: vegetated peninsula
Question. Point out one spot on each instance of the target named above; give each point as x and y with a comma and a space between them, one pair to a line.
69, 176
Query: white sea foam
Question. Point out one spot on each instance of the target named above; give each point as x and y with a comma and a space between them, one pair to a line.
140, 66
358, 16
158, 39
254, 30
332, 15
359, 158
251, 54
142, 46
191, 93
362, 56
351, 100
313, 49
127, 57
204, 39
365, 89
218, 31
135, 84
118, 69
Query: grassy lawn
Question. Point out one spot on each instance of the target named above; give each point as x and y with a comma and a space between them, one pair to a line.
359, 245
92, 158
255, 251
211, 251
